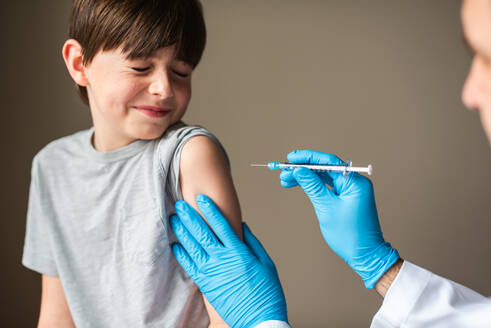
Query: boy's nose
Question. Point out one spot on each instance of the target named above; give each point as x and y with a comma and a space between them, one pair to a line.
161, 86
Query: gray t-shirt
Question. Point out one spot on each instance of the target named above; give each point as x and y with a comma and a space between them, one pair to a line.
99, 222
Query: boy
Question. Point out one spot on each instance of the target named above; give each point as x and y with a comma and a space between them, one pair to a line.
97, 227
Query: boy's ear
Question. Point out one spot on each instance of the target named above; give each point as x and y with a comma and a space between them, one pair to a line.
72, 54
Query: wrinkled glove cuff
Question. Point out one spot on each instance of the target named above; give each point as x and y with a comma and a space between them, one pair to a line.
373, 266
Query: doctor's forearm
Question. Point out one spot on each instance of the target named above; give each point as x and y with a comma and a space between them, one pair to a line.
382, 286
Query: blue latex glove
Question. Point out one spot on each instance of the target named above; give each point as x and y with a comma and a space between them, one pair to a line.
238, 278
347, 214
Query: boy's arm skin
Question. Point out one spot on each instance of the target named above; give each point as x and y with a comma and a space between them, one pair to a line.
54, 307
203, 170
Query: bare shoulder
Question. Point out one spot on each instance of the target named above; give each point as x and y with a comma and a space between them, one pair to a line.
203, 167
202, 149
204, 170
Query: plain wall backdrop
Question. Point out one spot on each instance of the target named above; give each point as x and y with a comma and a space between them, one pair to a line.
375, 81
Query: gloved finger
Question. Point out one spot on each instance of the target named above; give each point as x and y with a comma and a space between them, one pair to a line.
217, 221
313, 186
185, 261
332, 178
287, 179
255, 246
196, 226
313, 157
193, 249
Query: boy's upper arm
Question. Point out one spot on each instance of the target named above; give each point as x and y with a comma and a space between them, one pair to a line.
204, 170
54, 307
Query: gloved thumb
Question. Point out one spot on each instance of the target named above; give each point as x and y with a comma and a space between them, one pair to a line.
255, 246
313, 186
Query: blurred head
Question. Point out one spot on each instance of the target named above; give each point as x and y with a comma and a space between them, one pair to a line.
132, 62
476, 93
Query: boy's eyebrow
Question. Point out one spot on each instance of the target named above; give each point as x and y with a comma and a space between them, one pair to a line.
152, 56
183, 61
129, 58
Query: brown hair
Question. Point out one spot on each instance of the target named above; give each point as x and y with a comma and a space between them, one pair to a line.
138, 26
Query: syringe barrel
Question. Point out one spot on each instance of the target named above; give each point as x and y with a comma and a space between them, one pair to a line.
339, 168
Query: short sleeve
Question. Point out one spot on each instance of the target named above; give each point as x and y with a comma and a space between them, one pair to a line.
170, 156
38, 255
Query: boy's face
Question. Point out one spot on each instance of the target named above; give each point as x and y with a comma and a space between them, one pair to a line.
136, 99
476, 94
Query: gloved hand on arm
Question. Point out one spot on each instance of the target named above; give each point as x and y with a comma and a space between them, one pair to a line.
237, 277
347, 214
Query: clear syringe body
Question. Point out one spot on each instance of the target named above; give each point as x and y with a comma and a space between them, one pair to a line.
340, 168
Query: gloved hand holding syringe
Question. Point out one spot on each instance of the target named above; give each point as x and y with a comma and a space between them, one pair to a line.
344, 204
340, 168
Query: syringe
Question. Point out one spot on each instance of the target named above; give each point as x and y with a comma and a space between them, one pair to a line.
341, 168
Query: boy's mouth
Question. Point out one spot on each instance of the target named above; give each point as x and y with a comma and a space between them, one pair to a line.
153, 111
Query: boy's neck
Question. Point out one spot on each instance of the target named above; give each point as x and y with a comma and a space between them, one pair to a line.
106, 143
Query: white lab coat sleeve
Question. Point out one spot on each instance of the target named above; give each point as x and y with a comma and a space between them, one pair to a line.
273, 324
419, 298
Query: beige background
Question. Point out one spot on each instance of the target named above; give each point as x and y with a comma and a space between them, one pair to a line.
376, 81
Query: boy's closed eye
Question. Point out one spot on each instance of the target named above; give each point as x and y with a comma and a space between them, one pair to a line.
181, 69
141, 69
179, 73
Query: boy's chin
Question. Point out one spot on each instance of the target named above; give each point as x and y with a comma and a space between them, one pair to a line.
149, 133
